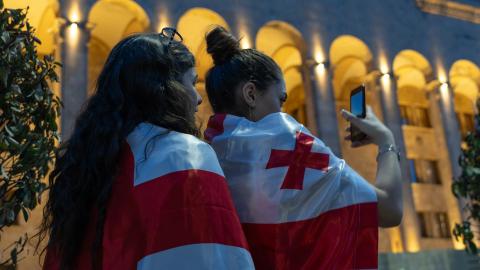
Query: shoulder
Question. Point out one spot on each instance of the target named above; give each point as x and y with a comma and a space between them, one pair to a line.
190, 147
158, 152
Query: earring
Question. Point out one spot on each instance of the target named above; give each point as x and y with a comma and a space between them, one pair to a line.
250, 115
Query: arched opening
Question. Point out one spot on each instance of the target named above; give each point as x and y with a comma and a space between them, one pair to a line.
425, 148
411, 71
112, 20
193, 25
286, 46
351, 60
464, 79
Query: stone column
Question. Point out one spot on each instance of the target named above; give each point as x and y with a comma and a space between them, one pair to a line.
453, 135
452, 139
75, 62
324, 107
410, 227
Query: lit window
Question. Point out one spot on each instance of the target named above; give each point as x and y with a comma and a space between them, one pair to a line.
415, 116
434, 224
424, 171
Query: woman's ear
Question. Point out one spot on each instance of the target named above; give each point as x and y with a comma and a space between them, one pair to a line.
249, 94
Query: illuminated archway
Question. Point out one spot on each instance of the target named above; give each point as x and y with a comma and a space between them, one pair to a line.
351, 65
350, 60
193, 26
411, 71
464, 78
349, 57
112, 21
284, 43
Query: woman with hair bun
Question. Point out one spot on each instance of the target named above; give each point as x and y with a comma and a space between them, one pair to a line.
301, 207
133, 187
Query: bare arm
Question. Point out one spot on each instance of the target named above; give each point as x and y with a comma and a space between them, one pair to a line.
388, 184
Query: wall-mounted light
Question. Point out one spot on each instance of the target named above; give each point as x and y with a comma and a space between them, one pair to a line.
73, 27
325, 64
75, 24
444, 87
385, 79
386, 82
444, 95
386, 75
320, 69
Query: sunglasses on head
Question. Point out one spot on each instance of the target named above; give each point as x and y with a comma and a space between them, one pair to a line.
171, 34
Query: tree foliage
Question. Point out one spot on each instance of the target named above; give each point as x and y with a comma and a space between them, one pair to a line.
467, 187
28, 113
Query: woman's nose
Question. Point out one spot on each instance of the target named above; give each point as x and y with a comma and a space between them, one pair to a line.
199, 99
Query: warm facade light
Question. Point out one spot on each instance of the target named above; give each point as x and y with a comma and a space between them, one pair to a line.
444, 88
318, 52
383, 65
319, 56
245, 41
442, 75
73, 27
74, 16
243, 31
163, 19
385, 79
320, 69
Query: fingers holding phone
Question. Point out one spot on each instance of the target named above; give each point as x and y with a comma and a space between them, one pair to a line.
358, 108
365, 128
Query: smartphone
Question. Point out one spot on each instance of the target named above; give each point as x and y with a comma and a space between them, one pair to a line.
358, 108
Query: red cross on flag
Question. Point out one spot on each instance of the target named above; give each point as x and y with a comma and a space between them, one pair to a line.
301, 207
298, 161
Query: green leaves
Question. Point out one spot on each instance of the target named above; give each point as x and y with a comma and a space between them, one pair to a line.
18, 247
14, 255
463, 232
467, 186
25, 214
4, 73
28, 113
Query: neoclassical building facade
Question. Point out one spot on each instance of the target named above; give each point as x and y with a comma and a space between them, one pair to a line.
417, 59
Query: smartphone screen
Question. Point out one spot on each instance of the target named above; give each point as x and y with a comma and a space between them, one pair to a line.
358, 108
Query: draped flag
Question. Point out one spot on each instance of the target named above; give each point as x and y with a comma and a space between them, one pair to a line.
300, 206
170, 208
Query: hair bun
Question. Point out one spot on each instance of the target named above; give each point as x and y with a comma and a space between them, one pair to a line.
221, 45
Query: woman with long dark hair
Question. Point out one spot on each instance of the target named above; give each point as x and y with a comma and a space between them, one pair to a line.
301, 207
133, 187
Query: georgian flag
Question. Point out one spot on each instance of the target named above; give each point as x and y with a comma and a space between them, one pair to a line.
170, 208
300, 206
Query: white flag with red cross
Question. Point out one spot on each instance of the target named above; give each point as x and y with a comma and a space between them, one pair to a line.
170, 208
301, 207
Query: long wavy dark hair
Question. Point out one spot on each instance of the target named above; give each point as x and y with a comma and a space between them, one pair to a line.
140, 82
